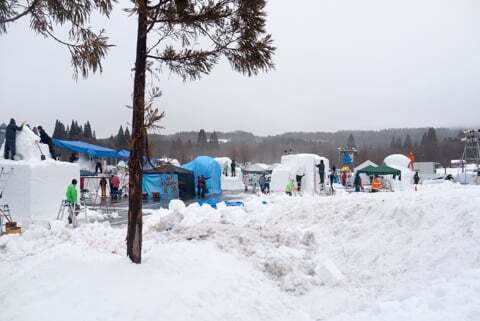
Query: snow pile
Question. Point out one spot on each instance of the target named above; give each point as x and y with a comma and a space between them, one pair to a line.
28, 146
397, 160
400, 162
361, 256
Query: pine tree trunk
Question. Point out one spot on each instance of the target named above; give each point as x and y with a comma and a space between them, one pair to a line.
134, 233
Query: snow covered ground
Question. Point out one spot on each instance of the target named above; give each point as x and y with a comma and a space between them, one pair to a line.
386, 256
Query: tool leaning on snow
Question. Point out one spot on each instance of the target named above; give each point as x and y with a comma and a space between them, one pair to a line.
10, 225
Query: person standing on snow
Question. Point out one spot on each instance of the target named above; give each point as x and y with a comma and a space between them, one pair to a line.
103, 187
416, 180
72, 199
321, 173
298, 178
358, 183
11, 140
233, 168
289, 188
114, 186
332, 178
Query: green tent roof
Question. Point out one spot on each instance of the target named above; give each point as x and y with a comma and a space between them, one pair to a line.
380, 170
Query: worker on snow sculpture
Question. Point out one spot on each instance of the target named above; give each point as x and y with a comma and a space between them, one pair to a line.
321, 173
11, 140
411, 164
298, 178
233, 168
72, 199
45, 139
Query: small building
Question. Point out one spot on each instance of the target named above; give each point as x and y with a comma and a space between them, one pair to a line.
426, 168
170, 182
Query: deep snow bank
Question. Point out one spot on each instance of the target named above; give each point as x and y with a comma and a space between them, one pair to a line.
385, 256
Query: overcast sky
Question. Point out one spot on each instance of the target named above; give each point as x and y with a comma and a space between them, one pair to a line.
340, 64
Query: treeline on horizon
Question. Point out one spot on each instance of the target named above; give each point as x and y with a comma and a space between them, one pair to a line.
428, 144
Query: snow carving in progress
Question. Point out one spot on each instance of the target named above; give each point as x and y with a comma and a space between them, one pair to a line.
35, 188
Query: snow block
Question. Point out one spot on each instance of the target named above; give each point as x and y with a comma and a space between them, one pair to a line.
35, 190
298, 163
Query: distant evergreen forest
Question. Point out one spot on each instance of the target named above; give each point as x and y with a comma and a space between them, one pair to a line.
428, 144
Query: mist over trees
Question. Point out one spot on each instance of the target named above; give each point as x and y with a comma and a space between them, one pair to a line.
428, 144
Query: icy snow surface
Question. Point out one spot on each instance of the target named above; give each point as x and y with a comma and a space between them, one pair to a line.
385, 256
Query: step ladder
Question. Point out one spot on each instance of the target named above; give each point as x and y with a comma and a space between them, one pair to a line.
72, 212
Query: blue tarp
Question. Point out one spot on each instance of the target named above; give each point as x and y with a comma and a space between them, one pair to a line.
86, 148
213, 203
124, 154
165, 184
347, 159
209, 168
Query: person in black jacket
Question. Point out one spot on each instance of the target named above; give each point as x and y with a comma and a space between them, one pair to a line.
416, 180
11, 140
45, 139
321, 173
358, 183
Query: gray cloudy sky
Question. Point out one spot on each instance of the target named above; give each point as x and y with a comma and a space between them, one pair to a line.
340, 64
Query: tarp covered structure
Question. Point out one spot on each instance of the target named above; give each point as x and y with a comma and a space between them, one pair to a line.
210, 169
185, 179
164, 184
380, 170
86, 148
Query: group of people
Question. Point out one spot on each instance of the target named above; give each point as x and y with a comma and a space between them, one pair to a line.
11, 139
233, 167
114, 183
375, 181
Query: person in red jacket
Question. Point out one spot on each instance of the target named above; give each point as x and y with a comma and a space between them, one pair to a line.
114, 186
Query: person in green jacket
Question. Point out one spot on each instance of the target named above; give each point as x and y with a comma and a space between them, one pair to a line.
290, 187
72, 192
72, 198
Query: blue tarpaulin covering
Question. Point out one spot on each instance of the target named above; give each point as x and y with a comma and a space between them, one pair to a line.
124, 154
86, 148
165, 184
347, 159
213, 202
209, 168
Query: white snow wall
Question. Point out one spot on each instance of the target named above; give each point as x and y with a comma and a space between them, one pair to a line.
35, 189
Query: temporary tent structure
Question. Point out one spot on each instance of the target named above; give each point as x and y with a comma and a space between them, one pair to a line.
170, 181
380, 170
210, 169
88, 149
364, 164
